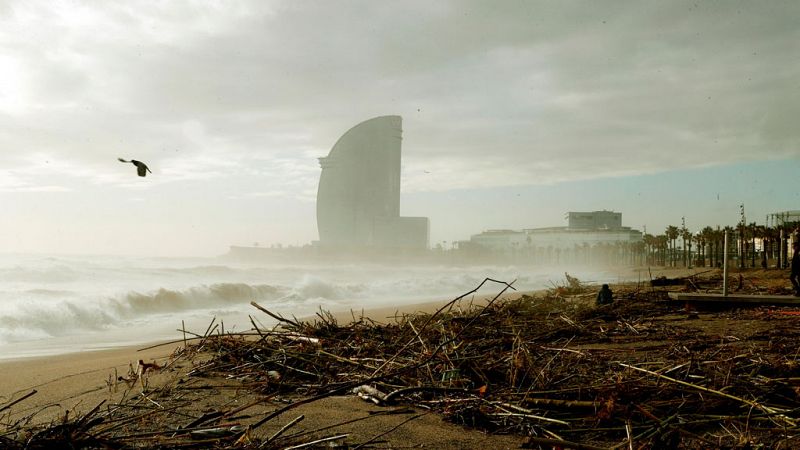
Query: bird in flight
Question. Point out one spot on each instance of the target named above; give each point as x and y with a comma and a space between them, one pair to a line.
141, 168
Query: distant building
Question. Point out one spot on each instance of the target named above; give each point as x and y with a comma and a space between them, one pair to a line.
501, 241
589, 236
586, 228
566, 237
784, 218
596, 220
358, 200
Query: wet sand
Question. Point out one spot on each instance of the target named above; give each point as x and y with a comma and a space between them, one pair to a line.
79, 381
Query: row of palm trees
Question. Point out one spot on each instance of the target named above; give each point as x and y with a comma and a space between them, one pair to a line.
663, 249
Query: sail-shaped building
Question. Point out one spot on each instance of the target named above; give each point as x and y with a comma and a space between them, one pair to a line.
358, 200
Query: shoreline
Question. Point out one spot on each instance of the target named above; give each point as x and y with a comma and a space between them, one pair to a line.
45, 349
81, 375
77, 381
49, 389
84, 329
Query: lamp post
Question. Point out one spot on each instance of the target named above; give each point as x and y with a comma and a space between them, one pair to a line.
725, 266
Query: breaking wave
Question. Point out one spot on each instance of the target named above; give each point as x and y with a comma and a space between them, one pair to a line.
113, 299
32, 320
165, 300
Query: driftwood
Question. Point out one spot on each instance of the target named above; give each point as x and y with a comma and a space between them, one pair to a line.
690, 280
554, 369
664, 281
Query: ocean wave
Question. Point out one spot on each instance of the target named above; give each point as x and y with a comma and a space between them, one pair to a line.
49, 292
311, 286
40, 321
167, 300
58, 273
101, 294
211, 271
33, 320
37, 313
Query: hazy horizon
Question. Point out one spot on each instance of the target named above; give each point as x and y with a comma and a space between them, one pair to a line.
513, 114
54, 305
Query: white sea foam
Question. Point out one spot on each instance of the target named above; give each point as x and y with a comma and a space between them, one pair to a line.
69, 303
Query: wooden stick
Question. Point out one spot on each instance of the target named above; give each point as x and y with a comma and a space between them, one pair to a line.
439, 311
754, 404
277, 317
628, 431
374, 378
283, 429
564, 403
370, 415
29, 394
563, 444
376, 437
318, 441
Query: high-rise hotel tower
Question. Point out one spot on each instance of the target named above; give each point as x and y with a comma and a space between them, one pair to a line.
358, 201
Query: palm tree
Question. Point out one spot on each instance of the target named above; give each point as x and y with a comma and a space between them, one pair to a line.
713, 246
731, 236
672, 234
742, 241
662, 244
649, 244
707, 237
659, 252
700, 257
686, 235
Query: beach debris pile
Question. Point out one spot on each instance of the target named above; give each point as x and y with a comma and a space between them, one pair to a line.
556, 370
572, 286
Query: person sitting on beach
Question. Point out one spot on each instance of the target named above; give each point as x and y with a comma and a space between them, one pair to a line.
605, 296
795, 275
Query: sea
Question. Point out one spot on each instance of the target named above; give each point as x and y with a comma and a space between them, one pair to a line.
62, 304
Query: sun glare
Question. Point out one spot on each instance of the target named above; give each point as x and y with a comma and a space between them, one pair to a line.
12, 86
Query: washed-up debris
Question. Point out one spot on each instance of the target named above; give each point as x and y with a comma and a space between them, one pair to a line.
664, 281
564, 374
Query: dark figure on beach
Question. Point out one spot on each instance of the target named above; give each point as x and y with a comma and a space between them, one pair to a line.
795, 276
605, 296
141, 168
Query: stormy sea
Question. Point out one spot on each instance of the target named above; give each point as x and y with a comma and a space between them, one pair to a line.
61, 304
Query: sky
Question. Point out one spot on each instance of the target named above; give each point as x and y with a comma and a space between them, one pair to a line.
514, 113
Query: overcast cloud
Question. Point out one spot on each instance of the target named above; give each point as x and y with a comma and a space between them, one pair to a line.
242, 97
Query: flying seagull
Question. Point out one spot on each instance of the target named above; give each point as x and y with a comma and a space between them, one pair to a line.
141, 168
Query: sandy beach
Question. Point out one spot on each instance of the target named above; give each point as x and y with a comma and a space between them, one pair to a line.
75, 383
78, 378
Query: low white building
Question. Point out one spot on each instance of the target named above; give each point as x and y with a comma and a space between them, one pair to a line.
590, 236
501, 241
568, 238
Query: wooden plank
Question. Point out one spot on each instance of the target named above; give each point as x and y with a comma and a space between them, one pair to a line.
735, 298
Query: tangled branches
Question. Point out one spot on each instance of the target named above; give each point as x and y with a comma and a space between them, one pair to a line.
559, 371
